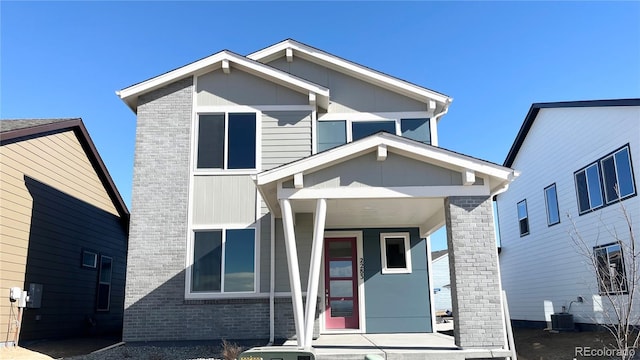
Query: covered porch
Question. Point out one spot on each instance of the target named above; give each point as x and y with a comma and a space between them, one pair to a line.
374, 203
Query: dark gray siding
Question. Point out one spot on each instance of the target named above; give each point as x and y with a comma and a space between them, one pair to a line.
396, 302
61, 227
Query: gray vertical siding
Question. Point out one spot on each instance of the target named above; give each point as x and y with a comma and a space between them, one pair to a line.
349, 94
396, 302
224, 199
286, 137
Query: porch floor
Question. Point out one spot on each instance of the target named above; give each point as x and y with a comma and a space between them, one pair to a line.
397, 346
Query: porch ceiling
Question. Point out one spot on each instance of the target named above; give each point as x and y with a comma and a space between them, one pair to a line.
427, 213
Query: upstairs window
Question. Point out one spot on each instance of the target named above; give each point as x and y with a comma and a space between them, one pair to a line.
551, 200
605, 181
226, 141
332, 133
611, 274
523, 218
617, 175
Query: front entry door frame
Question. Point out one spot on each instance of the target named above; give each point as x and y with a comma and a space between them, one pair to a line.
360, 276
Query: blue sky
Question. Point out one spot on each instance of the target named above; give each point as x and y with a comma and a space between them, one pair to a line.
67, 59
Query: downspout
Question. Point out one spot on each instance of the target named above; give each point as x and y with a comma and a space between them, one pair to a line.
272, 281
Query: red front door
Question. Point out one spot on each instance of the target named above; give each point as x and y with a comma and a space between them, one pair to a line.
341, 284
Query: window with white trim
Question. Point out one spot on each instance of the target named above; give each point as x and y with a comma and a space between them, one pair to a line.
605, 181
610, 274
395, 250
226, 141
551, 201
223, 261
89, 259
332, 133
104, 283
523, 218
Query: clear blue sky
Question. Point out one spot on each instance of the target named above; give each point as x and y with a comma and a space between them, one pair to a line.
67, 59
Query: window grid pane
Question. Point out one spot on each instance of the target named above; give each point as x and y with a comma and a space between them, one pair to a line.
211, 142
396, 253
331, 134
361, 129
239, 255
523, 218
593, 184
624, 172
241, 146
207, 261
551, 199
416, 129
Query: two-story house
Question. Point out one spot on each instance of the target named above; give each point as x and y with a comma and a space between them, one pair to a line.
565, 240
290, 192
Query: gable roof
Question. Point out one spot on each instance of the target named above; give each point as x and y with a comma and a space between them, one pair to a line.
350, 68
14, 130
535, 109
437, 255
219, 60
397, 144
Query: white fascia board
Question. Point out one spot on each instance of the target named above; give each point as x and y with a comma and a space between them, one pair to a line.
394, 144
214, 61
399, 192
362, 72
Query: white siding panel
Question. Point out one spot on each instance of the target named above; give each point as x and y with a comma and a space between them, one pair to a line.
546, 265
224, 200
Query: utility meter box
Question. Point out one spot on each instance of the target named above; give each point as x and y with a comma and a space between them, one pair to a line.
35, 296
276, 353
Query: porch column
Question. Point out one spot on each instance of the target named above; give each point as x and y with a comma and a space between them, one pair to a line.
314, 270
473, 268
294, 269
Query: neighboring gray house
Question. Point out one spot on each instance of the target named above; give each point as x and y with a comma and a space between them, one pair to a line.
441, 282
573, 156
290, 174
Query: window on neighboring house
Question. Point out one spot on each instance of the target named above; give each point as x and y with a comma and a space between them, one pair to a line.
611, 274
226, 141
523, 218
223, 261
332, 133
551, 199
605, 181
617, 175
396, 253
104, 283
89, 259
416, 129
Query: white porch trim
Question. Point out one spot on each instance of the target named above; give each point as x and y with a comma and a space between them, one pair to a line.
314, 270
383, 192
294, 269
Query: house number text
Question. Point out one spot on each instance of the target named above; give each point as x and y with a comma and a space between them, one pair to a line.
361, 268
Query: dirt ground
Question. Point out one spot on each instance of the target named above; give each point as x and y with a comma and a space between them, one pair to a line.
57, 349
532, 344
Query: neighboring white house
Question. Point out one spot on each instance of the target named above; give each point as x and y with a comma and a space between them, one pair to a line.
441, 282
572, 157
290, 192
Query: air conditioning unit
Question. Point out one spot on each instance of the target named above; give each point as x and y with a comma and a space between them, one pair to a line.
562, 322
